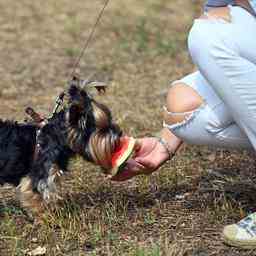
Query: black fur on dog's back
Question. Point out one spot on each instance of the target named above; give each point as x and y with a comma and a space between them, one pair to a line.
17, 144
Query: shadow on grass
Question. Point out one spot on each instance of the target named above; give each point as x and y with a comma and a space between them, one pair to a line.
213, 189
230, 186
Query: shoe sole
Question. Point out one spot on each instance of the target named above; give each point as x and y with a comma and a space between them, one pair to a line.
241, 245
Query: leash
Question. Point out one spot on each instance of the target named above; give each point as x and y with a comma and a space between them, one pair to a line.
71, 78
89, 39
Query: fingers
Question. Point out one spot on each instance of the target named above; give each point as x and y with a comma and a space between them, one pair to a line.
122, 177
132, 169
148, 164
134, 166
138, 144
139, 164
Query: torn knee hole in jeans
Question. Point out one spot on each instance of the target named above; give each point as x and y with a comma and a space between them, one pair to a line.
183, 103
174, 120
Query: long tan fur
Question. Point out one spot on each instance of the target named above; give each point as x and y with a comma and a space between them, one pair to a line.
28, 198
102, 143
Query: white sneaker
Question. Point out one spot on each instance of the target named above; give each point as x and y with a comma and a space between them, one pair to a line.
242, 234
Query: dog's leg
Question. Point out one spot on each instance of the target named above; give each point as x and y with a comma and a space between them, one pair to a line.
30, 200
48, 186
35, 202
45, 172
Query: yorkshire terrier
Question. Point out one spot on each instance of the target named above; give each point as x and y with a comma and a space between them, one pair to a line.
34, 154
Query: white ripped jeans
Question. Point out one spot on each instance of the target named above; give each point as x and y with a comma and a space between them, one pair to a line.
225, 54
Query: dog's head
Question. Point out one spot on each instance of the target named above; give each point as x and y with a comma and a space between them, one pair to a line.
92, 132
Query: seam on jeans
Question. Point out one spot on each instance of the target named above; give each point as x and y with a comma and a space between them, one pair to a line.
213, 109
219, 62
221, 137
210, 127
215, 106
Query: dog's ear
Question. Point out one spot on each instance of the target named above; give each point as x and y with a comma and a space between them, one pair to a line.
99, 86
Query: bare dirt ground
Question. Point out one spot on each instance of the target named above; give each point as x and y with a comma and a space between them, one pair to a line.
139, 47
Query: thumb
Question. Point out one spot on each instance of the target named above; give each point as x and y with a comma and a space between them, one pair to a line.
133, 166
138, 145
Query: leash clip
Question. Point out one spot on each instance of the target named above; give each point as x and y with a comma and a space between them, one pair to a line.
58, 103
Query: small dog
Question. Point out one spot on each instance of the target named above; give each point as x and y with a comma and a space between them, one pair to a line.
34, 154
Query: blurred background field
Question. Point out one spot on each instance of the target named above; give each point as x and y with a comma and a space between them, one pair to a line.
139, 47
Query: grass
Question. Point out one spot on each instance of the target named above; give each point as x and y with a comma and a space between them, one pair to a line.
138, 48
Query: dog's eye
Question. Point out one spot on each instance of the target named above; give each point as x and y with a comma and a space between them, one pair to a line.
84, 94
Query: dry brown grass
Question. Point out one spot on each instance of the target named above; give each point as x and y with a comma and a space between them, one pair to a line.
139, 47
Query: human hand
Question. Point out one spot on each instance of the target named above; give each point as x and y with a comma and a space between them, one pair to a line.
149, 155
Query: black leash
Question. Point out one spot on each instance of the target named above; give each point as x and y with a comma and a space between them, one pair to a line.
60, 98
88, 40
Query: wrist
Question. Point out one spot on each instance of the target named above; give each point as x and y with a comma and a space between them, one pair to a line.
161, 156
170, 142
169, 154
